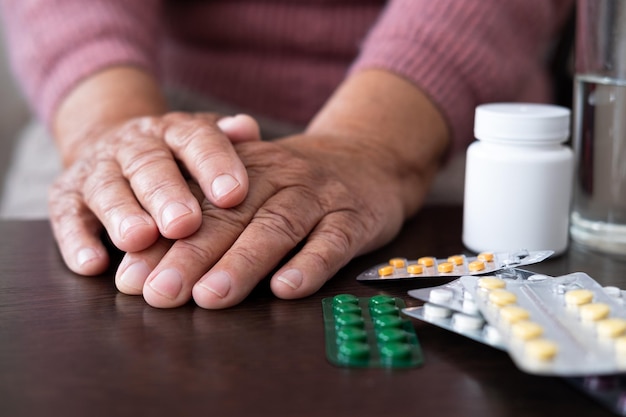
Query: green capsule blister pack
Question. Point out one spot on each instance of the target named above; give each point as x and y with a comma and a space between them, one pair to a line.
369, 332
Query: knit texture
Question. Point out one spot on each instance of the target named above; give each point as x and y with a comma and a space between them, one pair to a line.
284, 58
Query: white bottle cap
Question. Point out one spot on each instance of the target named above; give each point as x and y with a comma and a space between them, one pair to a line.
522, 122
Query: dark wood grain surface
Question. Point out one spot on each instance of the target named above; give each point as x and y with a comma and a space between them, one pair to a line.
74, 346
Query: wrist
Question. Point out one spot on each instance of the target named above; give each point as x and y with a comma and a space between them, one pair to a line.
394, 125
101, 101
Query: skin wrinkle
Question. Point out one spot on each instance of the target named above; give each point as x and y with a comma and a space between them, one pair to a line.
278, 223
329, 198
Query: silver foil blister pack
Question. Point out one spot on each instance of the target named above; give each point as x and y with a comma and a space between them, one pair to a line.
566, 326
453, 266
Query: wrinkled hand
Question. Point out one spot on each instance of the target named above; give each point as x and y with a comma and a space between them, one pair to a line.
331, 201
131, 179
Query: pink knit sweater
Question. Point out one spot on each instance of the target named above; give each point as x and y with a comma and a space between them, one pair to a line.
283, 58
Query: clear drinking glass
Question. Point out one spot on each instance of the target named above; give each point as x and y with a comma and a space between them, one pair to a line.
598, 217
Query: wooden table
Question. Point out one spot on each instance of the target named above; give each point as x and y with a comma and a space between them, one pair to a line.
74, 346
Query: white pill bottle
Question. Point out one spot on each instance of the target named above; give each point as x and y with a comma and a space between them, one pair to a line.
518, 179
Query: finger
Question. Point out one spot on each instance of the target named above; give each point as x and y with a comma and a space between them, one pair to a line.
135, 267
171, 281
76, 230
240, 128
337, 238
157, 182
108, 195
271, 235
209, 156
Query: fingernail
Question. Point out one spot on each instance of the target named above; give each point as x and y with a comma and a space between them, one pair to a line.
168, 283
223, 185
225, 122
135, 275
218, 283
129, 222
86, 255
173, 212
291, 277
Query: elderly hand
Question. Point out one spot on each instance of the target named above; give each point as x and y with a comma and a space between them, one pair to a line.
325, 197
131, 179
316, 200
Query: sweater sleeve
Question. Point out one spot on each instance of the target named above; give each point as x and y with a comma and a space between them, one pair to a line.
54, 44
465, 52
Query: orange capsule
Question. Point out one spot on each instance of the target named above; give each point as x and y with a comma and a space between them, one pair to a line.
445, 267
426, 261
385, 271
397, 262
415, 269
456, 259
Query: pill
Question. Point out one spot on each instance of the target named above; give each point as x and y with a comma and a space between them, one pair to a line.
578, 297
387, 321
395, 351
594, 311
456, 259
491, 334
345, 298
391, 334
541, 349
485, 256
440, 295
382, 309
347, 308
382, 299
397, 262
537, 277
426, 261
354, 350
435, 311
464, 322
611, 327
351, 333
502, 297
445, 267
385, 271
469, 307
513, 313
491, 283
476, 266
526, 330
415, 269
349, 319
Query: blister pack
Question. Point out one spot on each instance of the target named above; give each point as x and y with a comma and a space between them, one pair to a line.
608, 390
566, 326
369, 332
469, 325
453, 308
453, 295
452, 266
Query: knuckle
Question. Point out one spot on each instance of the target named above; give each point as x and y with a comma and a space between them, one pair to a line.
144, 159
183, 133
282, 224
191, 249
250, 257
340, 240
321, 262
231, 221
